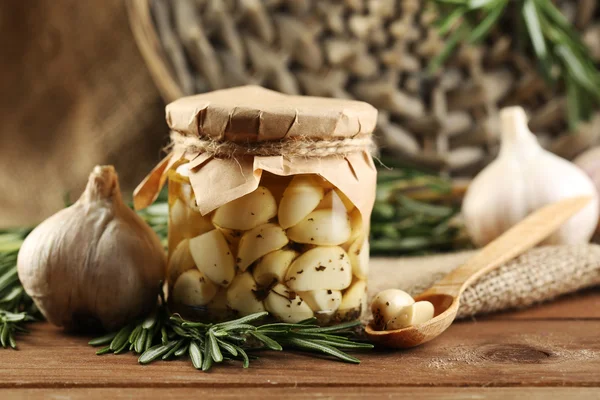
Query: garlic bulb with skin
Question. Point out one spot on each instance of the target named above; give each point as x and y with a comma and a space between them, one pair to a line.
93, 265
523, 178
589, 162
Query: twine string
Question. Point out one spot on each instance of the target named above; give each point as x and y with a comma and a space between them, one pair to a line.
291, 147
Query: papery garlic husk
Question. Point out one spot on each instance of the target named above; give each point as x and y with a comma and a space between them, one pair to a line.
589, 162
522, 179
94, 265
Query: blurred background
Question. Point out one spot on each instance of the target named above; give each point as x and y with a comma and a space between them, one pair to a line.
85, 83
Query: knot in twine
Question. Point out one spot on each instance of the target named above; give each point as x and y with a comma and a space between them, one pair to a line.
298, 146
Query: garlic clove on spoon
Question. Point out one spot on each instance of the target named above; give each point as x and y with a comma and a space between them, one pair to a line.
93, 265
395, 309
523, 178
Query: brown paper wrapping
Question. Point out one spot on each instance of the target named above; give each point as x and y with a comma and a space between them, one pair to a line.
255, 114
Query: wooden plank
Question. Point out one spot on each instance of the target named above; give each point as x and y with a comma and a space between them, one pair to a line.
484, 353
531, 393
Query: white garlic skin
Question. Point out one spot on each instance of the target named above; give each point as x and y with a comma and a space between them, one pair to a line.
589, 162
524, 178
93, 265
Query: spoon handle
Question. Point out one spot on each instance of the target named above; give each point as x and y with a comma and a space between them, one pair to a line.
526, 234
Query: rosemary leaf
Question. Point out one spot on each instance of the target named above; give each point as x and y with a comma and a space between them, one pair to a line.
214, 348
163, 335
270, 343
104, 350
231, 349
312, 346
141, 341
11, 341
106, 339
155, 352
207, 359
121, 338
195, 355
246, 360
134, 334
243, 320
4, 335
173, 350
182, 349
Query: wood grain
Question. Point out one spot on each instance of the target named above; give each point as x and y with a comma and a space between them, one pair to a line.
531, 393
508, 355
482, 353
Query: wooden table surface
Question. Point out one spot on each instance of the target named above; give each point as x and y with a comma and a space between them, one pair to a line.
551, 351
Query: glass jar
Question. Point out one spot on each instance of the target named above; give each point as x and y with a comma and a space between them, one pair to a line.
295, 247
270, 197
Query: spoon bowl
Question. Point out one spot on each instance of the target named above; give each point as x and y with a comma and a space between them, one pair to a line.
445, 294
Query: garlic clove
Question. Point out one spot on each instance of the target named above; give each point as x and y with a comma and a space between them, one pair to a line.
421, 311
300, 198
286, 305
322, 301
192, 288
213, 257
389, 304
356, 226
247, 212
335, 200
276, 184
359, 258
354, 301
241, 295
233, 237
187, 222
273, 267
416, 313
259, 241
180, 261
320, 268
322, 227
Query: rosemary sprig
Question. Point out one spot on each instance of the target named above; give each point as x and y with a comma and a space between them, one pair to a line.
562, 56
16, 308
165, 337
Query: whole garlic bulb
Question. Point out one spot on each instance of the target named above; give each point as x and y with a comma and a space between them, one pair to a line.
589, 162
95, 264
522, 179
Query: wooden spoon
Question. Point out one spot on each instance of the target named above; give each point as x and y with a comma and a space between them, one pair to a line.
445, 294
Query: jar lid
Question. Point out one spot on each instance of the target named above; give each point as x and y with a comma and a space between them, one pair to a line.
255, 114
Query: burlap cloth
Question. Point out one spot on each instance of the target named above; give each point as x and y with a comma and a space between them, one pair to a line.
75, 92
539, 275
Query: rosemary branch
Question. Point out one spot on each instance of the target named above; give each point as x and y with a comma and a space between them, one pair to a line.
562, 56
164, 336
16, 308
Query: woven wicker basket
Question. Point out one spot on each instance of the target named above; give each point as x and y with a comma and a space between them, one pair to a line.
372, 50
